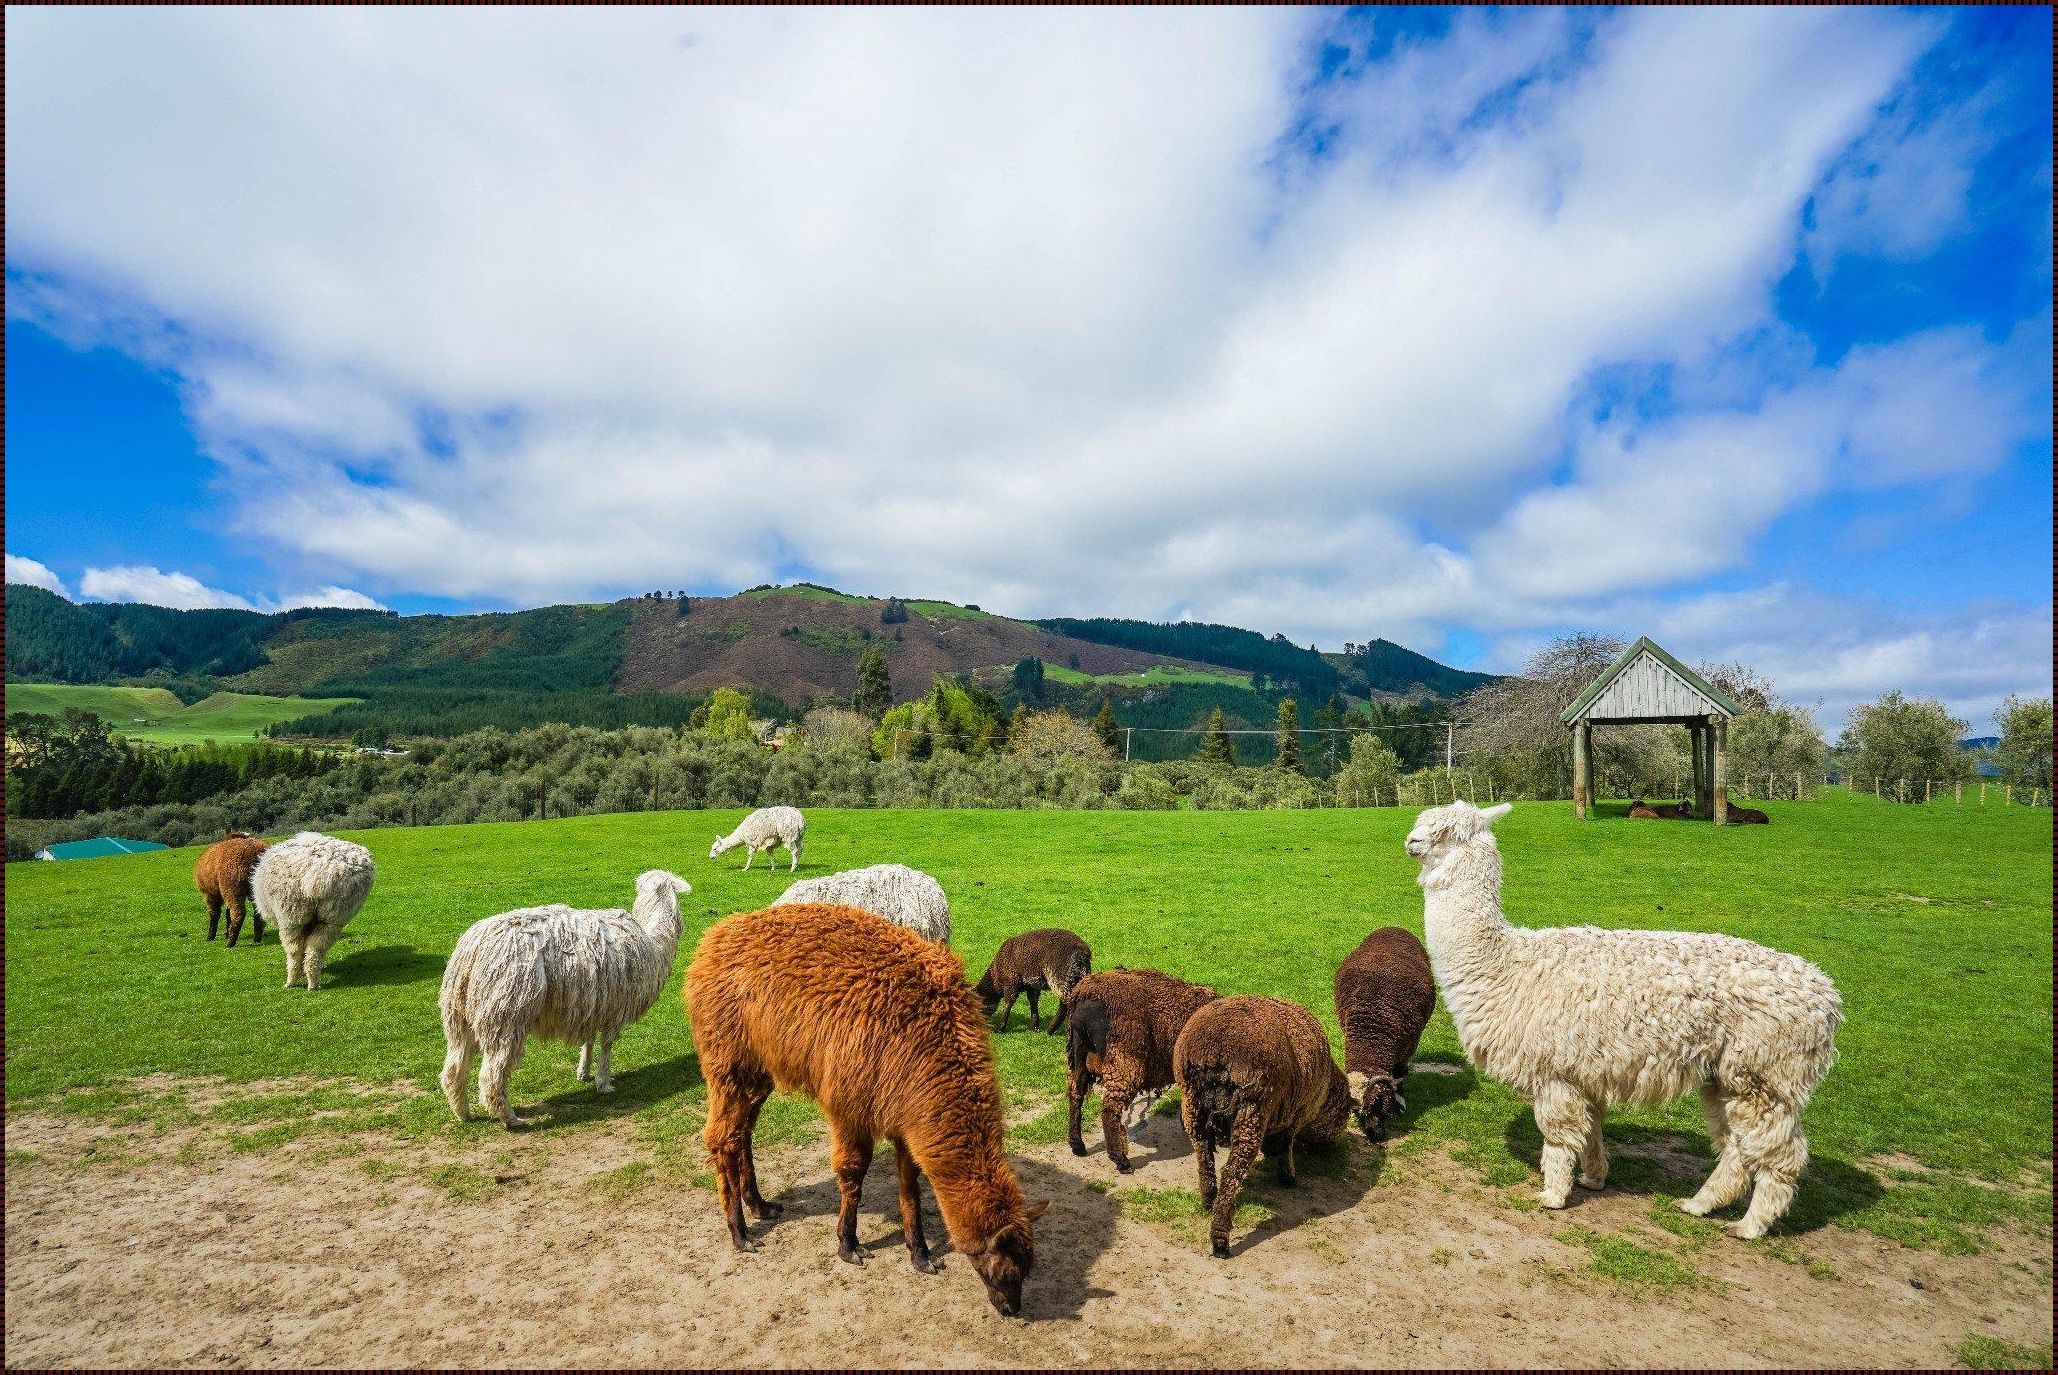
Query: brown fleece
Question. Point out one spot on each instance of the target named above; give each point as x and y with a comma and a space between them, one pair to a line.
1384, 995
877, 1025
1050, 958
1254, 1072
223, 878
1124, 1024
1744, 816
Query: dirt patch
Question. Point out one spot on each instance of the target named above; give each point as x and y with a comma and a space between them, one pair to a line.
575, 1250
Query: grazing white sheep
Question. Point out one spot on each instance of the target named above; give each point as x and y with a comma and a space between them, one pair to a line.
557, 973
1579, 1019
765, 830
310, 887
906, 897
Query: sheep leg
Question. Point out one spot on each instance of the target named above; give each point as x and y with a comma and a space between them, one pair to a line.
1079, 1083
1279, 1150
1775, 1151
585, 1070
235, 920
214, 915
727, 1136
1007, 1009
850, 1157
1246, 1135
1200, 1131
1035, 1014
1057, 1020
1117, 1099
1593, 1156
1730, 1177
1561, 1116
463, 1052
911, 1209
497, 1069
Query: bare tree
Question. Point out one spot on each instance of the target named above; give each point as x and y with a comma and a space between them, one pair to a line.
1511, 727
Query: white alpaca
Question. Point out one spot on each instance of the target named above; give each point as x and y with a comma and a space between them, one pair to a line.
557, 973
310, 887
765, 830
906, 897
1578, 1019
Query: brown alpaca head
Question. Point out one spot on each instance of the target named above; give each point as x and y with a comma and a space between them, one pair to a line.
1006, 1260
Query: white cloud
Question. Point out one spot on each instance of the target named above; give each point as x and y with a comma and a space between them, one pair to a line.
24, 570
137, 583
184, 592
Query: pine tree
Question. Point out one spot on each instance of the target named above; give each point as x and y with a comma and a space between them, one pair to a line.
1106, 727
874, 683
1216, 747
1289, 751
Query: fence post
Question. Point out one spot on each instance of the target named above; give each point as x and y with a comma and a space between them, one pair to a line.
1982, 792
1925, 790
1958, 793
2008, 798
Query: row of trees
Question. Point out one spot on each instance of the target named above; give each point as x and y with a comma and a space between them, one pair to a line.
59, 766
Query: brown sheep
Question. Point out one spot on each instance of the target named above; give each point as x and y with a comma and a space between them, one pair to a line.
877, 1025
1744, 816
1662, 811
1254, 1071
1384, 995
1050, 958
1124, 1025
223, 878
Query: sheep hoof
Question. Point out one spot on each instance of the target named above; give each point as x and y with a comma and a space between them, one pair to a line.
1219, 1250
1079, 1148
1124, 1167
1589, 1182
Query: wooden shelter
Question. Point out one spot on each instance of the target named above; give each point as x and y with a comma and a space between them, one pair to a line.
1648, 687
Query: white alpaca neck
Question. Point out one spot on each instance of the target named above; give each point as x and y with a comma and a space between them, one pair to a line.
1466, 933
658, 915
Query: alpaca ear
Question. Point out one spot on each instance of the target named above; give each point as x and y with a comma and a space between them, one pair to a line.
1036, 1209
680, 885
1493, 814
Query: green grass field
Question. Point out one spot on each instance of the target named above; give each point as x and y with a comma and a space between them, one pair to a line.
154, 716
1936, 925
1157, 675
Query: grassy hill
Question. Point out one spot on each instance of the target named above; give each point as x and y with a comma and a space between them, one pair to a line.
109, 979
155, 716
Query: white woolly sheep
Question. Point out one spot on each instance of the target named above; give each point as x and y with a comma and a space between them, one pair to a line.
906, 897
558, 973
1579, 1019
765, 830
310, 887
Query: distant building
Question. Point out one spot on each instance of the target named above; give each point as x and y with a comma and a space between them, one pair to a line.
97, 847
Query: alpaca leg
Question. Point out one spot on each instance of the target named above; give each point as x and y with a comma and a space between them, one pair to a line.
1200, 1132
585, 1071
311, 956
1117, 1097
1593, 1157
1057, 1019
214, 915
291, 941
1079, 1083
1775, 1151
236, 919
792, 857
1035, 1013
1245, 1138
462, 1053
763, 1211
749, 854
727, 1137
1279, 1150
1561, 1116
494, 1072
850, 1157
1007, 1009
1730, 1177
604, 1069
256, 924
911, 1209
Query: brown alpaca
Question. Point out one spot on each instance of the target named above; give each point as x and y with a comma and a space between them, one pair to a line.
1050, 958
223, 878
1384, 995
1744, 816
876, 1025
1124, 1024
1662, 811
1254, 1072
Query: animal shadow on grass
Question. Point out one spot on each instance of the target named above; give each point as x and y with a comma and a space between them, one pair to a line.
383, 964
1332, 1179
635, 1090
1078, 1228
1647, 1160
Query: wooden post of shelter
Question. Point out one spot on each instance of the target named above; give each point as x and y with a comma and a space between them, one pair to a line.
1582, 775
1718, 735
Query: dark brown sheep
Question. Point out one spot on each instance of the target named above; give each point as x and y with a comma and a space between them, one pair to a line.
1662, 811
1384, 995
1050, 958
223, 878
1744, 816
876, 1025
1254, 1072
1124, 1024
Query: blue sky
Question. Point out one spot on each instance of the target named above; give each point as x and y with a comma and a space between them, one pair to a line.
1460, 328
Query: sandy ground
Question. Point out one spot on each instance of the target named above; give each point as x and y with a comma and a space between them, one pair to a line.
299, 1255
